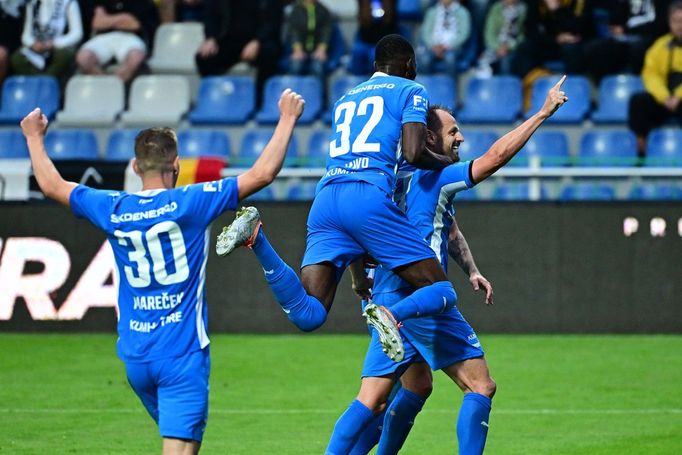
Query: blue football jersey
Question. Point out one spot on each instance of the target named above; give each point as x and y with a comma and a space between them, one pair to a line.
427, 197
160, 240
366, 130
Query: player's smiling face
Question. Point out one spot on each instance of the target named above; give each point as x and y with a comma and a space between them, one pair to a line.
449, 137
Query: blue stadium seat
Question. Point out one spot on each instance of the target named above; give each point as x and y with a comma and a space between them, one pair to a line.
550, 146
516, 191
265, 194
309, 87
656, 192
588, 191
302, 191
409, 10
441, 89
664, 147
608, 148
476, 143
577, 89
196, 143
493, 100
224, 100
339, 87
121, 145
253, 143
13, 145
72, 145
614, 97
22, 94
318, 149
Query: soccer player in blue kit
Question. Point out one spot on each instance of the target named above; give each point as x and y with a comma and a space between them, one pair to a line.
160, 240
375, 125
440, 342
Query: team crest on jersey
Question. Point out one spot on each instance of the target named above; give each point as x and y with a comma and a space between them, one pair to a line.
419, 102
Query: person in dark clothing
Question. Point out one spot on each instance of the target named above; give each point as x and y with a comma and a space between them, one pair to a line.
376, 19
11, 24
241, 31
555, 29
123, 31
633, 27
309, 29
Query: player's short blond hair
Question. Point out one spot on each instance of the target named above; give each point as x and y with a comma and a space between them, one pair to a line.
156, 149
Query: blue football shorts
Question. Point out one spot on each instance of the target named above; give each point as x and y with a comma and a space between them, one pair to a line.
348, 220
440, 340
175, 393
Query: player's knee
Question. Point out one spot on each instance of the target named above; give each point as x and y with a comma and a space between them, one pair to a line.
486, 387
421, 387
449, 294
311, 322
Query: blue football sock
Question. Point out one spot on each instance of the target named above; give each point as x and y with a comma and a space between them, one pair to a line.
426, 301
348, 428
472, 423
305, 311
369, 437
398, 422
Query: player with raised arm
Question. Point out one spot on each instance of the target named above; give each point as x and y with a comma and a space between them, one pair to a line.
374, 125
444, 341
160, 240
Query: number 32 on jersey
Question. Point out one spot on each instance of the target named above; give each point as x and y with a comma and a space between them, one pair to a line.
373, 107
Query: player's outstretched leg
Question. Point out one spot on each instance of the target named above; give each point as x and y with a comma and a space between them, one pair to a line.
387, 328
426, 301
303, 310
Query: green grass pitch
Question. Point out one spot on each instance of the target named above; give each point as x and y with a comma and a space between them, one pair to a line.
282, 394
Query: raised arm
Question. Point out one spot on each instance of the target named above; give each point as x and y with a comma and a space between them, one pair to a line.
269, 163
415, 150
508, 145
459, 250
51, 183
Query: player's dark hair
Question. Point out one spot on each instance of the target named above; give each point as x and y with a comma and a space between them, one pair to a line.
393, 50
155, 149
432, 120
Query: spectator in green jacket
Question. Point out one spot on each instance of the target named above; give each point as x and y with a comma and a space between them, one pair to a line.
446, 27
503, 32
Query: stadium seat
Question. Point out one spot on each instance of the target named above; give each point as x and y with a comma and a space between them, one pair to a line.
577, 89
302, 191
13, 145
318, 149
309, 87
551, 147
92, 101
175, 45
664, 148
656, 192
476, 143
516, 191
71, 145
410, 10
22, 94
157, 100
588, 191
608, 148
493, 100
196, 143
441, 89
614, 97
224, 100
253, 143
121, 145
339, 87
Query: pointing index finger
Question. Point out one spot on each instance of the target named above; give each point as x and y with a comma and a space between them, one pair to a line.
561, 81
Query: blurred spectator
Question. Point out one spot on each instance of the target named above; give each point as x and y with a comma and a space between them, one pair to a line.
10, 31
662, 77
376, 19
309, 29
555, 29
446, 27
52, 31
503, 32
633, 27
123, 31
241, 31
181, 10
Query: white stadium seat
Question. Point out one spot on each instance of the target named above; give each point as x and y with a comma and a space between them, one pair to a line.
175, 47
157, 101
92, 101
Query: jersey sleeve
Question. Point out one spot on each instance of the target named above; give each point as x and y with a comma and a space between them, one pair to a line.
415, 104
210, 199
458, 173
93, 205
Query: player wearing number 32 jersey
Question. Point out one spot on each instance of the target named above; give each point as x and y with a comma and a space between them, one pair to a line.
160, 239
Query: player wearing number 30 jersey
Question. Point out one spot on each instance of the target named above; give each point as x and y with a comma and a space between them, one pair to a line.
160, 240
